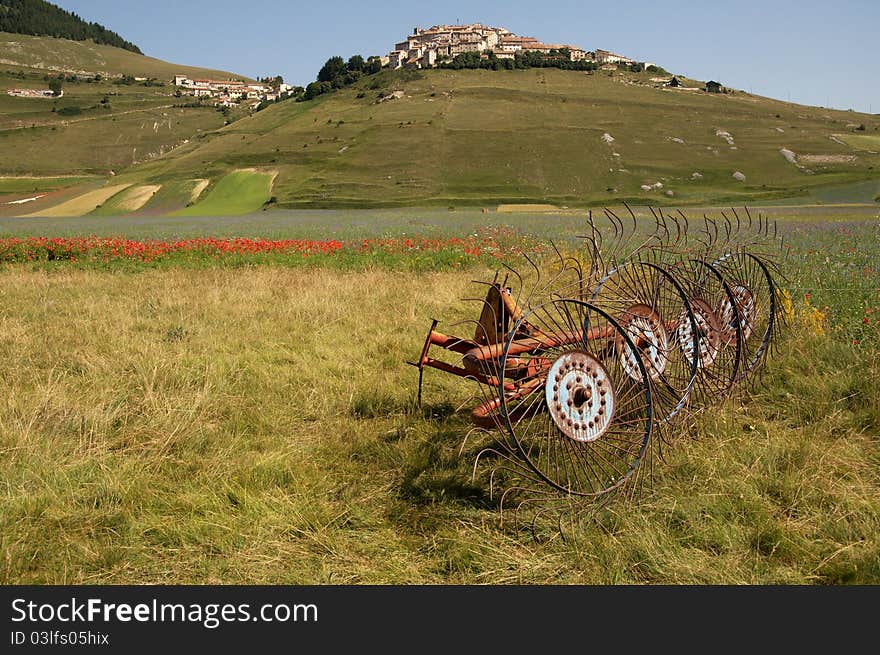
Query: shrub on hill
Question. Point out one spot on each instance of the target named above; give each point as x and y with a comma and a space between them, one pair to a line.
560, 58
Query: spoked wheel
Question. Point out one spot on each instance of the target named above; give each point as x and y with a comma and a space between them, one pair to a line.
754, 292
585, 427
718, 353
654, 310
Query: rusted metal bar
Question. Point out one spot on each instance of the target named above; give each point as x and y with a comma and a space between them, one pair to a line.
529, 344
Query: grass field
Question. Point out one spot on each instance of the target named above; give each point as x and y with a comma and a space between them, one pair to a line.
243, 424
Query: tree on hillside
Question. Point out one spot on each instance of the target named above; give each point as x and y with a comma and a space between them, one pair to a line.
355, 63
55, 86
333, 68
373, 65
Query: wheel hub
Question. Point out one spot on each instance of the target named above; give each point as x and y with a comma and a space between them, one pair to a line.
745, 310
645, 327
709, 333
580, 397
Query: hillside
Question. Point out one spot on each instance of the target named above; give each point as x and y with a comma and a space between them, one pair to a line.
118, 108
41, 18
476, 138
539, 135
46, 54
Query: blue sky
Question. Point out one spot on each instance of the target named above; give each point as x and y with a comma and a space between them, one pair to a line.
807, 51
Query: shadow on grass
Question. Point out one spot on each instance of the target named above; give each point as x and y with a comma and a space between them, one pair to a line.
369, 405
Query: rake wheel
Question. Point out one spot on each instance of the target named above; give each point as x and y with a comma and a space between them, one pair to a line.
755, 305
653, 308
719, 359
585, 422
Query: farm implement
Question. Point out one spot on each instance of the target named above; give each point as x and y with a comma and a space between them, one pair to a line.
588, 365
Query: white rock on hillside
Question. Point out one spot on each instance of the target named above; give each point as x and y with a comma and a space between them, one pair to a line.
789, 155
607, 138
725, 135
739, 176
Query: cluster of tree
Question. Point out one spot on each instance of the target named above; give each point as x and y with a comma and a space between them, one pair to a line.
39, 18
556, 58
337, 73
274, 81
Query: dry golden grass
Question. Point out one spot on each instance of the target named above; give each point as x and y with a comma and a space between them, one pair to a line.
200, 186
82, 204
133, 199
256, 426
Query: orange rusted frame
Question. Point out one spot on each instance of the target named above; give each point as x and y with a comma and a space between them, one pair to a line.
529, 344
464, 373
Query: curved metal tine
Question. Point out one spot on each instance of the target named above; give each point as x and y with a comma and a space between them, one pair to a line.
592, 240
595, 254
687, 225
665, 227
646, 244
551, 288
632, 231
548, 287
616, 224
715, 231
597, 260
672, 218
467, 436
540, 514
728, 228
632, 215
483, 453
680, 233
528, 298
705, 243
656, 220
596, 232
619, 232
503, 499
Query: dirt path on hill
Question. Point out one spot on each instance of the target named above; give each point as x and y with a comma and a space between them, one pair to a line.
83, 119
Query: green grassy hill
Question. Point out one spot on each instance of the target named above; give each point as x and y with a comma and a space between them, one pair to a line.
47, 54
539, 135
42, 18
479, 138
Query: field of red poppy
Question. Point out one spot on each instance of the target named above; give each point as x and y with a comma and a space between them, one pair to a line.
236, 409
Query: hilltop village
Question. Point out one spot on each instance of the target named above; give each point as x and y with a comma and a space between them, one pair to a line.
428, 48
424, 48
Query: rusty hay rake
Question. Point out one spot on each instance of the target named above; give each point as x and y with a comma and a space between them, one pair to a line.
588, 366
